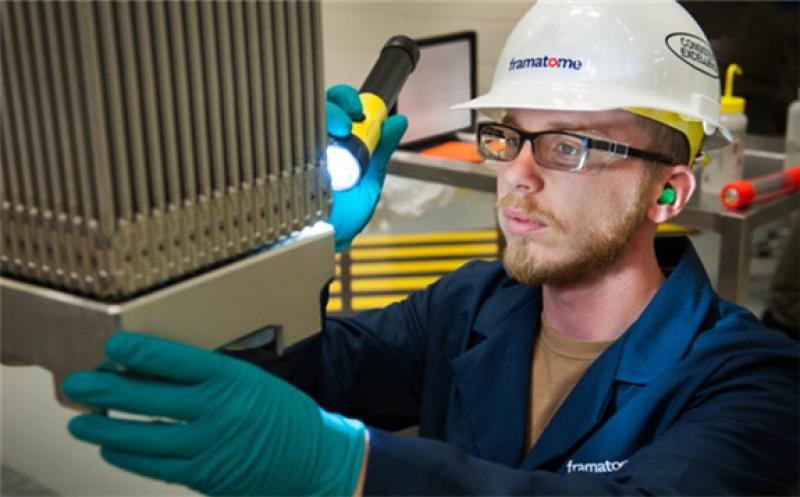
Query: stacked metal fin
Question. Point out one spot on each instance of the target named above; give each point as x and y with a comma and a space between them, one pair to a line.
146, 141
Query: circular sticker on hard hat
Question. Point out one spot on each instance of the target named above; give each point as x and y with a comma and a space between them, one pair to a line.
694, 51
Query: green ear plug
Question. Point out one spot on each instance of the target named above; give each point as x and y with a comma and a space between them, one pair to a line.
667, 196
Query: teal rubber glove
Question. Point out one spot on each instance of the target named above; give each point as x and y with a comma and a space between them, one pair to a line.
353, 208
237, 429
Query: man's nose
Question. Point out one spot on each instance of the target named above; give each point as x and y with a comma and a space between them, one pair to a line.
523, 174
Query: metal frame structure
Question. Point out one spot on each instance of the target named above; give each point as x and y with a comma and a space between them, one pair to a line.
272, 289
162, 168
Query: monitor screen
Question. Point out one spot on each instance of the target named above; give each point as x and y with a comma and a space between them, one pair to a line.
444, 76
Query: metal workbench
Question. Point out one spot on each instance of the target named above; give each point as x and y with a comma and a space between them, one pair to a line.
703, 212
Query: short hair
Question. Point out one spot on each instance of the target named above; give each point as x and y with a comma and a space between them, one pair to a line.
665, 140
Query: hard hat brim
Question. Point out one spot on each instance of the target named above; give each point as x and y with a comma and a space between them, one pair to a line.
582, 98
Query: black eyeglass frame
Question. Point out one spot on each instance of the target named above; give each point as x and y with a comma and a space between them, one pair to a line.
614, 148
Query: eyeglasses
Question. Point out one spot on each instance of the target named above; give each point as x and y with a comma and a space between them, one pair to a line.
559, 150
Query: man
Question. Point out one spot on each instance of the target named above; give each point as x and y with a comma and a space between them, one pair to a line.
592, 361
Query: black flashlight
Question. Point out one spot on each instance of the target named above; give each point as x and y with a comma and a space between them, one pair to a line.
348, 158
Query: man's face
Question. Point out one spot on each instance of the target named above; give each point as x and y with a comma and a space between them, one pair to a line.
564, 228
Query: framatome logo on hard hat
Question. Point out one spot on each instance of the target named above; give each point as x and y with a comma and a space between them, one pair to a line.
545, 62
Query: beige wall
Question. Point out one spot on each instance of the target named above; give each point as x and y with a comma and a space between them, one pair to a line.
354, 31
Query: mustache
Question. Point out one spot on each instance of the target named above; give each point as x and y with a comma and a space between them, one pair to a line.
529, 207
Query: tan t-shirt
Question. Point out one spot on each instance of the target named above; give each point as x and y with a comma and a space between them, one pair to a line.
558, 364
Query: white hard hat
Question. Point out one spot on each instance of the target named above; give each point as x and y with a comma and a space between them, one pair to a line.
646, 56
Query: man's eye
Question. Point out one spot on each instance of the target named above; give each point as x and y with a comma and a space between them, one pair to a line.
567, 149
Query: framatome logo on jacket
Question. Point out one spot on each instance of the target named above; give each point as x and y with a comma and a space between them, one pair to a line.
545, 62
595, 467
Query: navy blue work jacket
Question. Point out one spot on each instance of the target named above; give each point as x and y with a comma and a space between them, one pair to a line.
696, 397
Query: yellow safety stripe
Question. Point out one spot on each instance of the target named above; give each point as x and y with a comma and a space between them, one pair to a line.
374, 301
392, 284
418, 252
440, 266
371, 255
456, 236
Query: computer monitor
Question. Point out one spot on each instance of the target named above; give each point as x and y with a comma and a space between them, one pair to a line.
445, 75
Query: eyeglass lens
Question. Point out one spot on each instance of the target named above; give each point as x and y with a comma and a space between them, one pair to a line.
551, 149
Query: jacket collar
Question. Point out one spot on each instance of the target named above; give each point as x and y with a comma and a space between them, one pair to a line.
493, 377
491, 383
669, 323
653, 344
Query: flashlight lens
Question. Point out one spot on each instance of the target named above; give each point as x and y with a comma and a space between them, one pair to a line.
343, 168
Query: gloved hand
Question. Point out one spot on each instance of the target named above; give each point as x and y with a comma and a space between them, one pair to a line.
353, 208
238, 430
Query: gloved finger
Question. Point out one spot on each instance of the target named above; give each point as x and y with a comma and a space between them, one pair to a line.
391, 132
144, 437
149, 396
338, 122
110, 367
346, 97
164, 358
171, 469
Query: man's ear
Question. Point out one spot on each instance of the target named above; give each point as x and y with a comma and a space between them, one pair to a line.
666, 205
